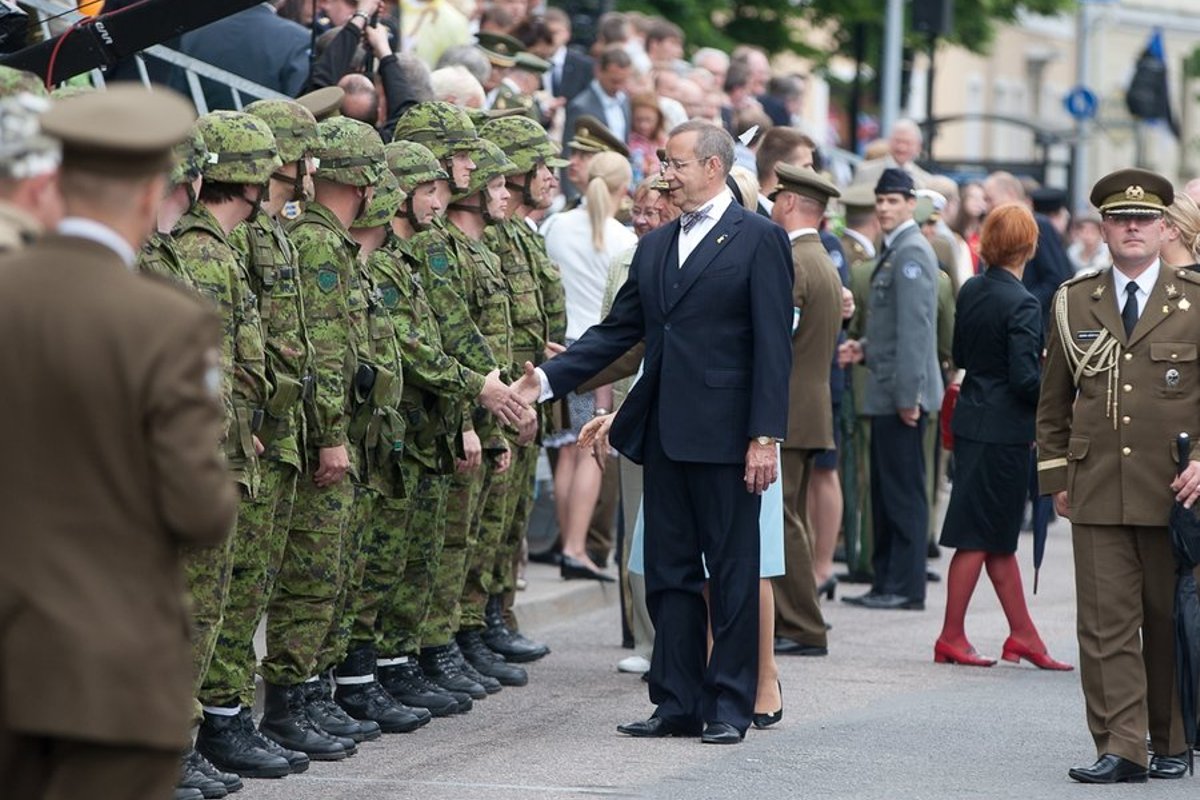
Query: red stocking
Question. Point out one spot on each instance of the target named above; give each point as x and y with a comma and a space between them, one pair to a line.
960, 585
1006, 577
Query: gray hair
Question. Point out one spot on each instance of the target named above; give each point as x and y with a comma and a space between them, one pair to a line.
457, 85
467, 55
711, 140
415, 76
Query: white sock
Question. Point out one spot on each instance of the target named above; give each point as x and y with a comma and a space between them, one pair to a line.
351, 680
391, 662
222, 711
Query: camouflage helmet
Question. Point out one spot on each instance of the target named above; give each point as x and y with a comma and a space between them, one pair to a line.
241, 148
444, 128
294, 126
490, 162
413, 164
350, 152
14, 81
523, 141
190, 157
385, 203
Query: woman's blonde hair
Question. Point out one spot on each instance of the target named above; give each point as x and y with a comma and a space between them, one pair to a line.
747, 185
1184, 215
607, 174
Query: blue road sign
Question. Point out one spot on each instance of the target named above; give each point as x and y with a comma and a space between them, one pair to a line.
1081, 103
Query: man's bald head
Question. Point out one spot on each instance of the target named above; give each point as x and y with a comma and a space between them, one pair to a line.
361, 101
1003, 187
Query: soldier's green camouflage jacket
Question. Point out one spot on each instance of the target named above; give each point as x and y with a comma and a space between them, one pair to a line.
271, 266
554, 297
216, 271
529, 323
158, 256
377, 420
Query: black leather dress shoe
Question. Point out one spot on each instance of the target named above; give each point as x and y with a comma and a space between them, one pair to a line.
721, 733
572, 568
790, 647
886, 601
1169, 767
653, 728
1110, 769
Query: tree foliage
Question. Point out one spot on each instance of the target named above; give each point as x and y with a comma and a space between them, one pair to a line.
781, 25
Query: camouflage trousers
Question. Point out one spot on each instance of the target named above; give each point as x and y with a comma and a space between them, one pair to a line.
384, 555
490, 530
301, 610
206, 573
263, 523
398, 623
508, 554
468, 494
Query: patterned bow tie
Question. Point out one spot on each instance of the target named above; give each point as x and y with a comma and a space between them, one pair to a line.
690, 219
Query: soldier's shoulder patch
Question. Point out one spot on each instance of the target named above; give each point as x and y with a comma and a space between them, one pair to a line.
439, 259
327, 279
389, 294
912, 270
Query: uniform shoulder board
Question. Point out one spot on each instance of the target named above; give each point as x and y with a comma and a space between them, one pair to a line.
1189, 275
1086, 275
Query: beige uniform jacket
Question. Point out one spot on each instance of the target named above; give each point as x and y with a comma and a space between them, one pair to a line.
1108, 436
817, 298
111, 462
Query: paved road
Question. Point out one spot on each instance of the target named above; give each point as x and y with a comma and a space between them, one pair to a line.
875, 719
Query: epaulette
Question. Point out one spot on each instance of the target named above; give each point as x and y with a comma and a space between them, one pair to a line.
1085, 276
1189, 275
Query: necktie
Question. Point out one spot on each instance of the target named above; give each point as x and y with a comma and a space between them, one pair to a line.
690, 219
1129, 314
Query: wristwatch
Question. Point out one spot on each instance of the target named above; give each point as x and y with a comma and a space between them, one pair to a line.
765, 441
366, 20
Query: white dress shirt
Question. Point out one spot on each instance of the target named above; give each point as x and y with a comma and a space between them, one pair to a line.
689, 240
796, 234
614, 111
556, 70
1145, 282
90, 229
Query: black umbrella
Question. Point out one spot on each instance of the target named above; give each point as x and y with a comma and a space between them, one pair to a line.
1185, 541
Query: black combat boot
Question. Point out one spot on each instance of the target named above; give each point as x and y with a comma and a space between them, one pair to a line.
405, 682
229, 780
329, 716
487, 661
295, 759
192, 777
285, 721
440, 666
508, 643
361, 696
490, 684
225, 742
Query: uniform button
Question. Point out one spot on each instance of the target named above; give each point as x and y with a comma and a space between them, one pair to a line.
1125, 451
1125, 420
1174, 356
1128, 387
667, 327
1129, 356
674, 285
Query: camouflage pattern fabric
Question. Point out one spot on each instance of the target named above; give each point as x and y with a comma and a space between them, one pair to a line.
241, 148
257, 556
206, 575
466, 498
13, 81
354, 565
385, 546
159, 257
442, 127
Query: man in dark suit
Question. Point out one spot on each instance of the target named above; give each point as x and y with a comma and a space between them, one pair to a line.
904, 385
119, 440
711, 295
605, 98
570, 70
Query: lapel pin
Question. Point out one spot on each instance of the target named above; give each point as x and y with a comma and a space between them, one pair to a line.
1099, 292
1166, 309
1184, 305
1172, 292
721, 238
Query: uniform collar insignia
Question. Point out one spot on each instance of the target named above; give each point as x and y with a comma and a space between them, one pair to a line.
1184, 305
1098, 292
1172, 292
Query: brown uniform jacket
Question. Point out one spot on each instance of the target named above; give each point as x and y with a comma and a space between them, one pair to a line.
817, 295
1110, 444
111, 462
17, 227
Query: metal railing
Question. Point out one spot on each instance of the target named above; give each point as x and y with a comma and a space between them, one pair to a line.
193, 69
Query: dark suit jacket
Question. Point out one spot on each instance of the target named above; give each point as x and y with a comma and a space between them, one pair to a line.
578, 71
588, 102
1049, 267
998, 341
257, 44
717, 358
113, 465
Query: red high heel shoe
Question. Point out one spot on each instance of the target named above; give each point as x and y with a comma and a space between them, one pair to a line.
949, 654
1014, 651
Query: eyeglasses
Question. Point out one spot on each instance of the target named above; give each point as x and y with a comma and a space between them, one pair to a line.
675, 165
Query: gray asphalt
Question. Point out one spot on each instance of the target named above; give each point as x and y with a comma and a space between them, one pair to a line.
875, 719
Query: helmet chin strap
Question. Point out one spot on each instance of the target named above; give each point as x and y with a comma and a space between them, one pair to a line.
527, 199
291, 209
362, 203
407, 209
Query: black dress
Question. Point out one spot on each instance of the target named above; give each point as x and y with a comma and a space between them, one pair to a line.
998, 341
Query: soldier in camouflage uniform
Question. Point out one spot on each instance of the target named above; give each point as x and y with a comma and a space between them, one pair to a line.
241, 155
492, 571
29, 198
227, 736
158, 255
15, 81
300, 712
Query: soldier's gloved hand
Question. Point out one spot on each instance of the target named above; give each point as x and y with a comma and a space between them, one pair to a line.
333, 464
502, 401
473, 452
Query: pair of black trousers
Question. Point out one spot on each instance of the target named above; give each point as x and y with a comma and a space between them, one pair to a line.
899, 508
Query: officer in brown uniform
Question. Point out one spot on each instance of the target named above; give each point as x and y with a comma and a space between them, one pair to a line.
800, 199
1122, 379
120, 426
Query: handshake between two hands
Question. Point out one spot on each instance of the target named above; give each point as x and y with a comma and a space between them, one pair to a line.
513, 404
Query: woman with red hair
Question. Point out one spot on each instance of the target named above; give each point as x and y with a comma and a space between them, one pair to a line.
998, 341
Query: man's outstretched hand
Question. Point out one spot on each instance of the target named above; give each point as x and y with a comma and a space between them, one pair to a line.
528, 388
501, 400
